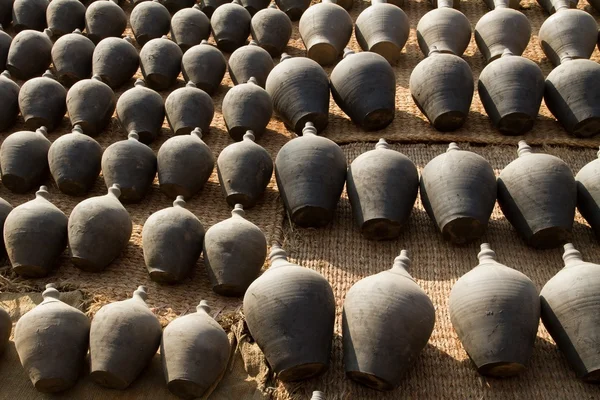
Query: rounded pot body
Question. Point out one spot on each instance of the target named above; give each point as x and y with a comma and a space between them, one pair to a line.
293, 8
115, 61
588, 194
141, 110
205, 66
189, 27
160, 62
91, 103
149, 20
230, 26
42, 103
64, 16
246, 107
72, 57
272, 30
29, 55
446, 29
24, 160
9, 93
189, 108
29, 14
500, 29
104, 19
250, 62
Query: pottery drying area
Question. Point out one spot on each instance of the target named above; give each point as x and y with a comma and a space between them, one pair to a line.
337, 251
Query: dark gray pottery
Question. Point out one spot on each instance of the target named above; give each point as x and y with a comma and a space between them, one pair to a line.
29, 14
142, 110
160, 62
446, 29
205, 66
115, 61
64, 16
253, 6
208, 7
248, 62
5, 209
24, 160
188, 108
5, 329
5, 42
247, 107
30, 54
176, 5
72, 57
104, 18
271, 29
501, 29
6, 7
588, 193
189, 27
293, 8
552, 6
230, 25
91, 103
42, 102
9, 93
149, 20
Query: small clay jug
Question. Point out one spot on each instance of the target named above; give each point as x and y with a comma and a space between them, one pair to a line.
30, 54
5, 42
29, 14
446, 29
299, 88
230, 26
382, 188
65, 16
495, 311
72, 57
247, 107
35, 235
52, 343
195, 351
244, 170
189, 27
5, 209
208, 7
205, 66
9, 93
271, 29
234, 252
104, 18
254, 6
569, 302
537, 194
174, 6
6, 7
99, 230
160, 62
296, 345
124, 337
293, 8
325, 29
149, 20
442, 87
588, 193
371, 109
142, 110
5, 329
378, 349
42, 102
74, 161
131, 165
115, 60
382, 28
502, 29
458, 191
499, 4
312, 196
248, 62
172, 243
188, 108
511, 90
91, 103
24, 160
571, 94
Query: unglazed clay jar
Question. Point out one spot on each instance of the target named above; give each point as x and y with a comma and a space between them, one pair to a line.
42, 102
72, 56
65, 16
272, 30
142, 110
188, 108
90, 104
204, 65
446, 29
501, 29
247, 107
230, 25
115, 60
189, 27
30, 54
160, 62
250, 61
104, 18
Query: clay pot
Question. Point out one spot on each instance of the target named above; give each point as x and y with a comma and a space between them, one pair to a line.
6, 7
325, 29
52, 343
131, 165
65, 16
383, 29
189, 27
537, 194
174, 6
149, 20
208, 7
35, 235
72, 57
442, 87
5, 209
310, 197
378, 347
29, 54
185, 163
29, 14
195, 351
501, 29
382, 188
271, 29
5, 329
9, 93
299, 88
571, 94
115, 61
499, 4
142, 110
124, 338
205, 66
371, 109
42, 102
160, 62
24, 160
446, 29
495, 311
188, 108
104, 18
253, 6
172, 243
244, 170
588, 194
458, 191
5, 42
91, 103
296, 345
511, 90
74, 161
248, 62
99, 230
234, 252
569, 302
230, 25
247, 107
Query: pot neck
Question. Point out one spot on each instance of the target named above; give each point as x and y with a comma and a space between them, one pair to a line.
197, 133
253, 81
51, 293
179, 202
571, 256
382, 145
348, 52
77, 129
402, 264
373, 2
452, 147
445, 4
278, 256
114, 191
501, 4
203, 307
507, 53
42, 193
140, 83
486, 254
42, 131
140, 294
524, 149
285, 56
560, 5
238, 211
309, 129
133, 135
249, 136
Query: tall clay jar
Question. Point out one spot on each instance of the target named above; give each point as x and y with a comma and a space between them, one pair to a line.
502, 29
99, 230
160, 62
204, 65
124, 337
35, 235
378, 347
5, 330
230, 26
234, 252
29, 14
189, 27
537, 193
310, 198
52, 343
588, 193
142, 110
445, 29
250, 61
195, 351
247, 107
382, 188
42, 102
105, 18
30, 54
325, 29
271, 29
91, 103
188, 108
495, 311
72, 57
296, 345
458, 191
115, 60
65, 16
569, 302
149, 20
293, 8
9, 93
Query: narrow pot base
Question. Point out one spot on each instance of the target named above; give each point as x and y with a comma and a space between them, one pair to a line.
501, 369
68, 79
515, 123
588, 127
323, 53
302, 372
320, 121
129, 196
378, 119
30, 271
15, 184
311, 216
550, 238
162, 276
369, 380
449, 121
388, 50
227, 45
237, 132
185, 389
463, 230
85, 265
229, 290
87, 127
108, 380
52, 385
172, 190
240, 198
71, 187
158, 81
381, 229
